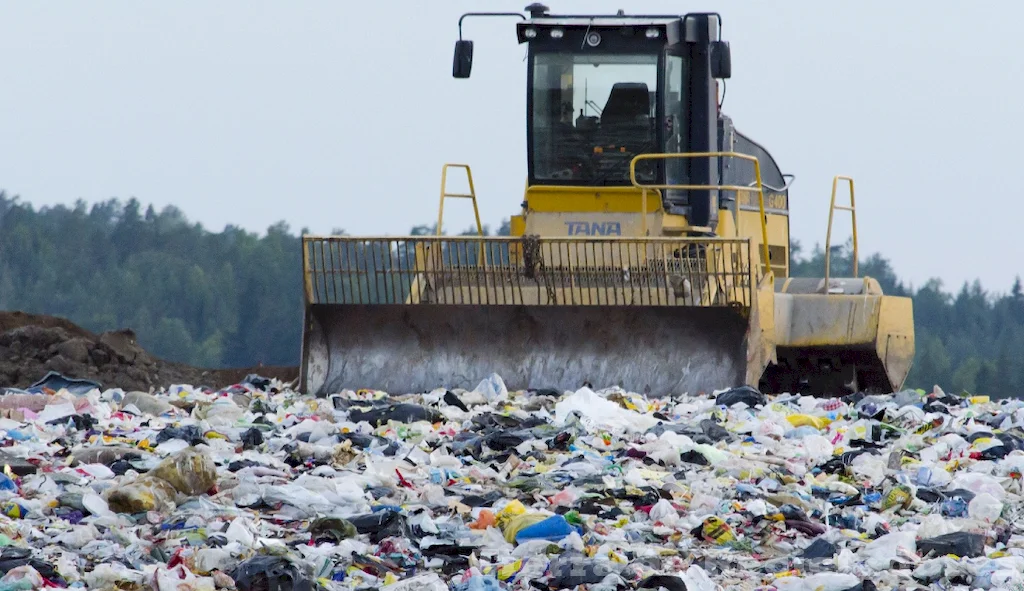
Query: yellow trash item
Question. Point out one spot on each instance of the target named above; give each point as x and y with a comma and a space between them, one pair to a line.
801, 420
520, 523
509, 570
511, 510
897, 497
717, 530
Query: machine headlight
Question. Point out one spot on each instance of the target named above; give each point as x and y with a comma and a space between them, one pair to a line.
557, 33
530, 33
593, 38
653, 33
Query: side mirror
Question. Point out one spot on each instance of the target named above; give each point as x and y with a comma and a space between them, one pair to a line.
721, 60
463, 62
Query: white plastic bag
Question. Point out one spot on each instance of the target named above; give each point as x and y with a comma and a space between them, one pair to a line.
492, 389
881, 552
180, 578
424, 582
979, 483
664, 512
985, 507
696, 579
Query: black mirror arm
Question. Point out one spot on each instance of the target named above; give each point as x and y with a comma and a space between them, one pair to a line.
520, 15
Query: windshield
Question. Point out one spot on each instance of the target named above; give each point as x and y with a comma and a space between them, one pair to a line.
591, 114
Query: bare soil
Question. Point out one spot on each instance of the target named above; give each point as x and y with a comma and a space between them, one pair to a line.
32, 345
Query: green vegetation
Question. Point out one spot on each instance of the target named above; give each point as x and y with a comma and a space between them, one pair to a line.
234, 298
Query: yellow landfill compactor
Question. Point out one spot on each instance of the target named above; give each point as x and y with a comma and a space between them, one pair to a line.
652, 251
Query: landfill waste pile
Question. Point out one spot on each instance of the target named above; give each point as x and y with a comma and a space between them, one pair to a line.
32, 345
257, 487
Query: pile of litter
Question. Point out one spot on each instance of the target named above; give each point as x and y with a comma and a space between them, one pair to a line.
256, 487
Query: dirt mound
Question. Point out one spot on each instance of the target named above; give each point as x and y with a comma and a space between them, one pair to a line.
32, 345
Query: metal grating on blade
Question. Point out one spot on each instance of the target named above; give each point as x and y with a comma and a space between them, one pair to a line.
707, 272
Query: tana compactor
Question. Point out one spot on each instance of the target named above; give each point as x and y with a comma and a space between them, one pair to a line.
652, 250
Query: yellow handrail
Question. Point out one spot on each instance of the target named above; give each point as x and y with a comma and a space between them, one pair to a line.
852, 208
471, 195
748, 157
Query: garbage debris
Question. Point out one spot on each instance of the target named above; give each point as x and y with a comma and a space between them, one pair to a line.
254, 486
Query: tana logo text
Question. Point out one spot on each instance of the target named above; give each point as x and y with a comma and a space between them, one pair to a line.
594, 228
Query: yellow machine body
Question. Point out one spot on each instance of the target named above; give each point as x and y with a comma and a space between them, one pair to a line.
590, 290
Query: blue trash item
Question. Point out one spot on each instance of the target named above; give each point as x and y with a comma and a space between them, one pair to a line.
479, 583
7, 484
955, 507
553, 528
56, 381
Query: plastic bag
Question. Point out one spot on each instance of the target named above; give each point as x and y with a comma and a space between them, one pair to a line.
603, 413
492, 389
271, 572
104, 576
146, 403
427, 582
145, 493
962, 544
744, 394
190, 471
881, 552
664, 512
985, 507
553, 528
334, 528
979, 483
180, 578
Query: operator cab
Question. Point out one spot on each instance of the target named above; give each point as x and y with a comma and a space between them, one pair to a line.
603, 89
597, 88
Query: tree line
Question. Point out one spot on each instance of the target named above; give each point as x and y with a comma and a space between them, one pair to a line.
234, 298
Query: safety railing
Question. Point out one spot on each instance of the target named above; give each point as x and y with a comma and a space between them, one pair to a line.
706, 272
759, 187
852, 208
445, 195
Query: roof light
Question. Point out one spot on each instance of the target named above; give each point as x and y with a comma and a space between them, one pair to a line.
557, 33
593, 38
530, 33
653, 33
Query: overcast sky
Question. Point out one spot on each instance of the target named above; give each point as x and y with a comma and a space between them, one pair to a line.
339, 114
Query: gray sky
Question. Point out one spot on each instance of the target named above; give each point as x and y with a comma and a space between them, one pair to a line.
340, 114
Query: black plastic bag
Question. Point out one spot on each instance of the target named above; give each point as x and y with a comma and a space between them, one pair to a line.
271, 573
190, 433
820, 548
745, 394
693, 457
715, 431
11, 558
385, 524
663, 581
962, 544
401, 413
252, 438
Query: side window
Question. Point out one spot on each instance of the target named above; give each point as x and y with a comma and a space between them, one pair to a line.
674, 125
674, 122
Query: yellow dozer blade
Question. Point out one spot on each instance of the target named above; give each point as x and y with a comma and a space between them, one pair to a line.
655, 315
